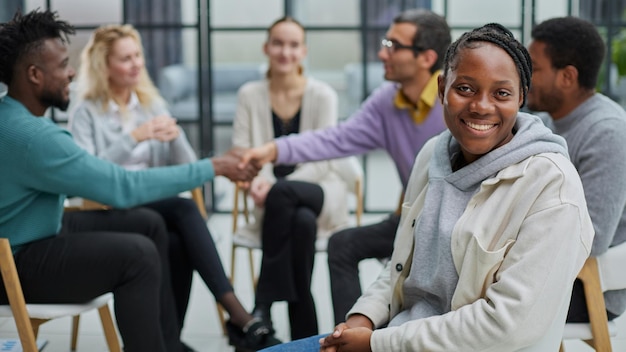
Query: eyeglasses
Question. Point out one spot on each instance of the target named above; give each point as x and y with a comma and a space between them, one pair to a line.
392, 46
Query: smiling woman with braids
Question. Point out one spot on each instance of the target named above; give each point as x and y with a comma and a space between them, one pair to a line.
494, 228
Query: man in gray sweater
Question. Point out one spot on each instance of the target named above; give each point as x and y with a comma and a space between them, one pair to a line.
566, 56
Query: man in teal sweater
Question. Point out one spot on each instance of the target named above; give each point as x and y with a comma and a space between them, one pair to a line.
41, 164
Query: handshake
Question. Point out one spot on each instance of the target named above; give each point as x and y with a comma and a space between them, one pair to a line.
241, 164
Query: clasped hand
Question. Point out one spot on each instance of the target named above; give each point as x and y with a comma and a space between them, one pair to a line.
230, 165
162, 128
352, 336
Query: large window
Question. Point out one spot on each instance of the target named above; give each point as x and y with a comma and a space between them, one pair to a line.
200, 51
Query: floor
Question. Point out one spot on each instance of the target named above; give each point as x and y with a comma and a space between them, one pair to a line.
203, 331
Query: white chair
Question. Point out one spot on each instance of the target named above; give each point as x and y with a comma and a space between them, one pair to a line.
599, 274
28, 317
350, 171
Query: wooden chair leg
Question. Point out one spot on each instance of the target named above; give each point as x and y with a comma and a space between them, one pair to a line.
591, 344
27, 333
233, 260
595, 306
35, 322
109, 329
252, 273
561, 348
74, 341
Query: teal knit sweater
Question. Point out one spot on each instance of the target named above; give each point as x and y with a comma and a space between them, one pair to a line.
40, 164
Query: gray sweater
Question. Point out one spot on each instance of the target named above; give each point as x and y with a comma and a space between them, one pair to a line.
98, 132
596, 137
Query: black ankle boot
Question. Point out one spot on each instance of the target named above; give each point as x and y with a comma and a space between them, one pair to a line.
263, 312
255, 336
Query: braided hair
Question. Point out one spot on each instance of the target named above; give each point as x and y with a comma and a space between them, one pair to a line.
500, 36
24, 35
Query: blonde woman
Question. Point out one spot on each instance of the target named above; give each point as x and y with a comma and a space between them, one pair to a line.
292, 202
123, 119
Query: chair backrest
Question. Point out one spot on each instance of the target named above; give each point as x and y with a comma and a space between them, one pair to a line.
610, 265
350, 171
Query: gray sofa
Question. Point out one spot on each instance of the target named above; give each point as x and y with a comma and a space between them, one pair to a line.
178, 84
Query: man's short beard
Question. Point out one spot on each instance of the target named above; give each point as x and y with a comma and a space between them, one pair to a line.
55, 101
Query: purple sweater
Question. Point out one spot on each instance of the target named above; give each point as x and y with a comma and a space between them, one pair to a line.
378, 124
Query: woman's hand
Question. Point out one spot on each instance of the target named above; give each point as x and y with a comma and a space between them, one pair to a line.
260, 155
353, 335
259, 189
162, 128
347, 339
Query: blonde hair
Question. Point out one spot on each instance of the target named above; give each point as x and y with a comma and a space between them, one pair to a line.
93, 78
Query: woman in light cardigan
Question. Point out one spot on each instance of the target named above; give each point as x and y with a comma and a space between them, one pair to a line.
296, 203
123, 119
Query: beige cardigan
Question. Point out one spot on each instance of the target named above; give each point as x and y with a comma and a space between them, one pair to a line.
253, 127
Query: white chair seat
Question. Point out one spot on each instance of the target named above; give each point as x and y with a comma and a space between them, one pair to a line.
243, 239
582, 331
249, 240
53, 311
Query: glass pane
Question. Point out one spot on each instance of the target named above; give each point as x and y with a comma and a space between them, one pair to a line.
228, 13
237, 58
189, 12
327, 12
476, 13
332, 55
380, 170
79, 12
380, 13
549, 9
76, 45
158, 12
245, 46
8, 9
30, 5
165, 46
175, 74
601, 11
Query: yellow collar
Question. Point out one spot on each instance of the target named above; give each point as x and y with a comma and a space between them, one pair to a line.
427, 100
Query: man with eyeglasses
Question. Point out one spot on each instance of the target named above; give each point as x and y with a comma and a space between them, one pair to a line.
399, 117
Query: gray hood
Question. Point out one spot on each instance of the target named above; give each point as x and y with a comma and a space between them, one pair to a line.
531, 138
